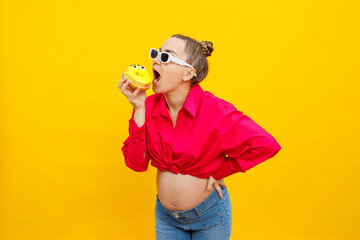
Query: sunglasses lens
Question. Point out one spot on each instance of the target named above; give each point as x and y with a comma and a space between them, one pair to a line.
153, 53
164, 57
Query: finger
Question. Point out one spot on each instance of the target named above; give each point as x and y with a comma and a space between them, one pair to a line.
135, 92
121, 82
209, 186
123, 79
222, 183
124, 89
124, 86
219, 190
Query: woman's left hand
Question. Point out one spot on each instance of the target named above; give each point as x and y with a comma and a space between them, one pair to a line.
212, 182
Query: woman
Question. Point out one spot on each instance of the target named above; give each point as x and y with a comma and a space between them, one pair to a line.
188, 133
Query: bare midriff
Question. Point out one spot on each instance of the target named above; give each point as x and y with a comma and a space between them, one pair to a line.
180, 192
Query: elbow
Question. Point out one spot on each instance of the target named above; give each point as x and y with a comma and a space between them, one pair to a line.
267, 146
274, 147
258, 154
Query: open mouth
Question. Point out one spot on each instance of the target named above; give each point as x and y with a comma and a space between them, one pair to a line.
156, 76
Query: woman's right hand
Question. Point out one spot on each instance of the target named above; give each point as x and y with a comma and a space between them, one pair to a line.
135, 96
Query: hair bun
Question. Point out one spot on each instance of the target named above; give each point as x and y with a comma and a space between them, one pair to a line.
207, 47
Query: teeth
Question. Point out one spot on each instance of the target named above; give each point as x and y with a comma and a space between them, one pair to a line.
156, 80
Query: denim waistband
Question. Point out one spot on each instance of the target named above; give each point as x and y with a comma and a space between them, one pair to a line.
202, 206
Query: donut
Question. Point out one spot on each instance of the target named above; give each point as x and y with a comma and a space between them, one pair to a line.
138, 77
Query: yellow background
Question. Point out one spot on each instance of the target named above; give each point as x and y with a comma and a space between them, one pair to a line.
292, 66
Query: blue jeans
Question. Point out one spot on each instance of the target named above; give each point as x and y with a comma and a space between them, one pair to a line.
210, 219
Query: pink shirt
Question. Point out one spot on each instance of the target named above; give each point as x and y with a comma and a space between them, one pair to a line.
211, 137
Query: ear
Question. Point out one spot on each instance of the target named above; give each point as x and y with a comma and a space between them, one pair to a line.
188, 74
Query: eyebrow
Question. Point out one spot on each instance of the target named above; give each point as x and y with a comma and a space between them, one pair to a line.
168, 50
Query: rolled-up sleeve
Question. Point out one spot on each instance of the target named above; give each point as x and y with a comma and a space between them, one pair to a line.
134, 148
245, 142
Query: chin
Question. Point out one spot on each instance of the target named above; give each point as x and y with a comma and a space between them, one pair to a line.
155, 90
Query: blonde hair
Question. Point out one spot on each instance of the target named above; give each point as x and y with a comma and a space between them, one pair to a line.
197, 53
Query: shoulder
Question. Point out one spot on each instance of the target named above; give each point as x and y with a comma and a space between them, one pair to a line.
219, 106
225, 113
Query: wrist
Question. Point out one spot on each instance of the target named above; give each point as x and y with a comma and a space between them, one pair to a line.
139, 108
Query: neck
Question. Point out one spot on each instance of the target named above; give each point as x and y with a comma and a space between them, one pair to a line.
175, 99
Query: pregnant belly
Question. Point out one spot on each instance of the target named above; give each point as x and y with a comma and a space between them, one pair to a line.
180, 192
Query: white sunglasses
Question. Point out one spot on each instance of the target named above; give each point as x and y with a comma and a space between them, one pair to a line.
166, 57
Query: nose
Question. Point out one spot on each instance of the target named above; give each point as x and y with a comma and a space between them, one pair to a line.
157, 59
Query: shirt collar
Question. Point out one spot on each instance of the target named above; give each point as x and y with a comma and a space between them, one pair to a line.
191, 103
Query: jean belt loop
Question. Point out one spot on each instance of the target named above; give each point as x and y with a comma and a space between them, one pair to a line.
197, 211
